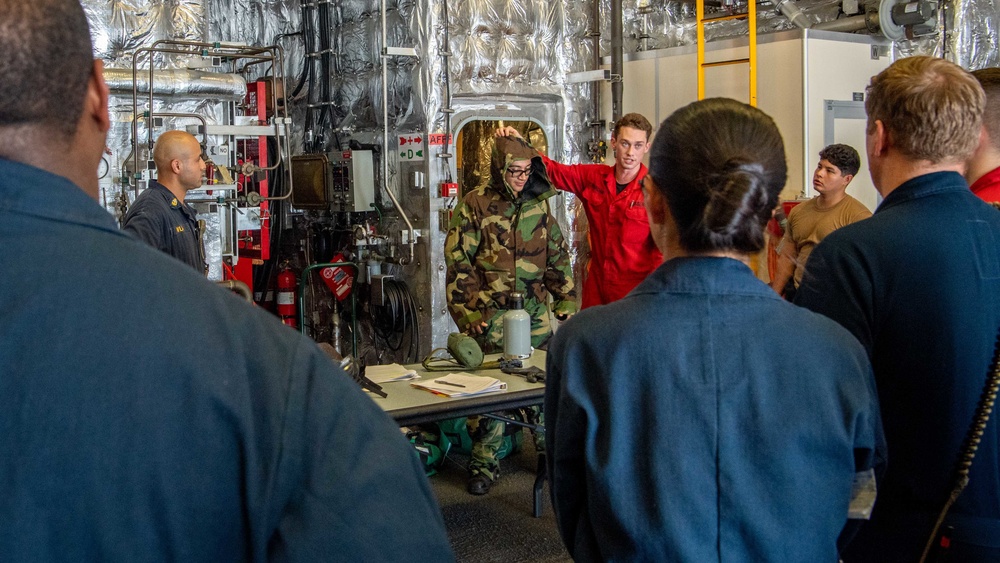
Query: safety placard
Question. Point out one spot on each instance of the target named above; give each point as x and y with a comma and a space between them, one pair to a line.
337, 278
411, 146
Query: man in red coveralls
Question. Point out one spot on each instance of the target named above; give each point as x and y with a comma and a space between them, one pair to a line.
622, 251
984, 166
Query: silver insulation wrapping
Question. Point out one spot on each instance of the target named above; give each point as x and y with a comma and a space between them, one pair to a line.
487, 59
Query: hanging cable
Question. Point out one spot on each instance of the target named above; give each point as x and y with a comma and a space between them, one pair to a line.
325, 50
309, 75
970, 445
262, 279
395, 321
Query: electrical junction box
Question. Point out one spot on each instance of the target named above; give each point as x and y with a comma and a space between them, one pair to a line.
352, 180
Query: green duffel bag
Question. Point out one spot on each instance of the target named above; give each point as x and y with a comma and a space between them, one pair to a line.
454, 432
430, 448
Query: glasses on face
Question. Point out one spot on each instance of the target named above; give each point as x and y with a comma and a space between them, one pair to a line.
519, 172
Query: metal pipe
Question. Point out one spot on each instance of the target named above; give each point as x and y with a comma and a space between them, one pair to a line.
241, 49
250, 53
280, 124
137, 55
354, 288
284, 139
806, 157
596, 155
617, 56
790, 10
385, 138
236, 286
868, 21
277, 61
644, 31
447, 110
204, 123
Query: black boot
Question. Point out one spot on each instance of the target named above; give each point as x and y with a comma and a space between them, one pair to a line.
480, 483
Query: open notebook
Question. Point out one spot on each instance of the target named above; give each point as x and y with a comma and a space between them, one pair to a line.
461, 384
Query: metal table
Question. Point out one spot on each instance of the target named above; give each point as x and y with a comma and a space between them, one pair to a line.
408, 405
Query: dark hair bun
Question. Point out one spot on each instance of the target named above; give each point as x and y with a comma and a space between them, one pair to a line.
720, 165
739, 197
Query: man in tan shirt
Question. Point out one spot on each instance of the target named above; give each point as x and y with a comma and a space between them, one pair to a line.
812, 221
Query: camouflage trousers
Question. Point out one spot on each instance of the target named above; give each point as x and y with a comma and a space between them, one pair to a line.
487, 436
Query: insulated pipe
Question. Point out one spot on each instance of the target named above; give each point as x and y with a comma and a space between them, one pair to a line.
181, 83
207, 49
790, 10
617, 56
850, 24
385, 139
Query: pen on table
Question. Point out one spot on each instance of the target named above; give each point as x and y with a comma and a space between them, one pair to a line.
442, 382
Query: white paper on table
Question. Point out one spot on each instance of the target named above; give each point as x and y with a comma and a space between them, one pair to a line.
390, 372
461, 384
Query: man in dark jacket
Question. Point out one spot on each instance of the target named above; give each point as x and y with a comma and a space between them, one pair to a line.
919, 285
148, 415
160, 217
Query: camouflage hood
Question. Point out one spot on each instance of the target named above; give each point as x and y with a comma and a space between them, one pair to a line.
505, 151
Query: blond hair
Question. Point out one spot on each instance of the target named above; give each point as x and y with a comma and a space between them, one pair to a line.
931, 109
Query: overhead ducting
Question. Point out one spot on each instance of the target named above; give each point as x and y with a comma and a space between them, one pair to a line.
179, 83
790, 10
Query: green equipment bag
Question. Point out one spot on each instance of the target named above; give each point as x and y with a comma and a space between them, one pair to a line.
454, 432
431, 449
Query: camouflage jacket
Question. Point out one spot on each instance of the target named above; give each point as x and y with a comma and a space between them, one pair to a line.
499, 243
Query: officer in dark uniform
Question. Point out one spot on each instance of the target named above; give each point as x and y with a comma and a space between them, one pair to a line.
159, 217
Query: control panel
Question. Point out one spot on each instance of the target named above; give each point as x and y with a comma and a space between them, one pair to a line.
352, 180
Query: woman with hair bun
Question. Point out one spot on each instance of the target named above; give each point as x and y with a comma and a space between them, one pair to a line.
702, 417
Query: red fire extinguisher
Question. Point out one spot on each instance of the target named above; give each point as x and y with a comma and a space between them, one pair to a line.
287, 284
